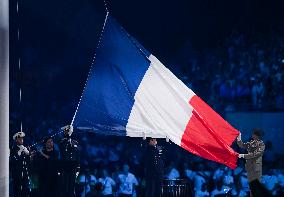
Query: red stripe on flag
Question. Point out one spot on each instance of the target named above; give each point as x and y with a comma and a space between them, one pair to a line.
208, 135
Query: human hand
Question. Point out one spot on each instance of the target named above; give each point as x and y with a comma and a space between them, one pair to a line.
23, 150
167, 139
26, 151
241, 156
45, 155
33, 153
239, 138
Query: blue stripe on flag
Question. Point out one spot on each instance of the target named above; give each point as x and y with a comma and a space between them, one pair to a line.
116, 73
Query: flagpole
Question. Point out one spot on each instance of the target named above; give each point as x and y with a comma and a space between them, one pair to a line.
100, 38
4, 98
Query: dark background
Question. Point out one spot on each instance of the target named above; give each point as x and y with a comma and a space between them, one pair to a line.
57, 42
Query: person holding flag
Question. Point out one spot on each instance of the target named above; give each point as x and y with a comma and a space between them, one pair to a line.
154, 168
255, 148
19, 163
70, 160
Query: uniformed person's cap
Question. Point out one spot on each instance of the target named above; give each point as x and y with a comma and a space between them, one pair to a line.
18, 134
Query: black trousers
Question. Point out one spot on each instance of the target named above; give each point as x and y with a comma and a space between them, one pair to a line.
258, 190
48, 184
21, 186
153, 187
67, 184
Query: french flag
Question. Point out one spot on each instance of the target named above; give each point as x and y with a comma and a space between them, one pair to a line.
129, 92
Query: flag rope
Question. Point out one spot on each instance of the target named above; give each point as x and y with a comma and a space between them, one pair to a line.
100, 38
106, 7
50, 136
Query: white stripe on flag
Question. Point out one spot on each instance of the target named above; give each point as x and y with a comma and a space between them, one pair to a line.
161, 106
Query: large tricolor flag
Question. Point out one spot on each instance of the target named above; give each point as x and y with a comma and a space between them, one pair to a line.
129, 92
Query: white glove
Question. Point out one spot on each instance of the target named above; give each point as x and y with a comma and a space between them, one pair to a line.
77, 173
23, 149
26, 151
241, 155
70, 130
167, 139
239, 138
144, 136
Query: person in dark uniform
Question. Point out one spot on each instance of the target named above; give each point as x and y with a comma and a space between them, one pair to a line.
48, 178
19, 164
70, 159
154, 168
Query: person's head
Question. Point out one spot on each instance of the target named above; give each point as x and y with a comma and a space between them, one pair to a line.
117, 168
98, 187
125, 168
20, 140
200, 167
95, 171
185, 165
48, 143
153, 142
19, 137
105, 172
257, 134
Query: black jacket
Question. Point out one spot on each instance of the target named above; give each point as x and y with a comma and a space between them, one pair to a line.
153, 162
19, 164
69, 154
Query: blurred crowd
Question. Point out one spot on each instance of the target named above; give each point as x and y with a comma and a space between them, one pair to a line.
107, 161
244, 73
205, 178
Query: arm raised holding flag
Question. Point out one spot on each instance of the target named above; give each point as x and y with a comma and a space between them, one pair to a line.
255, 148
